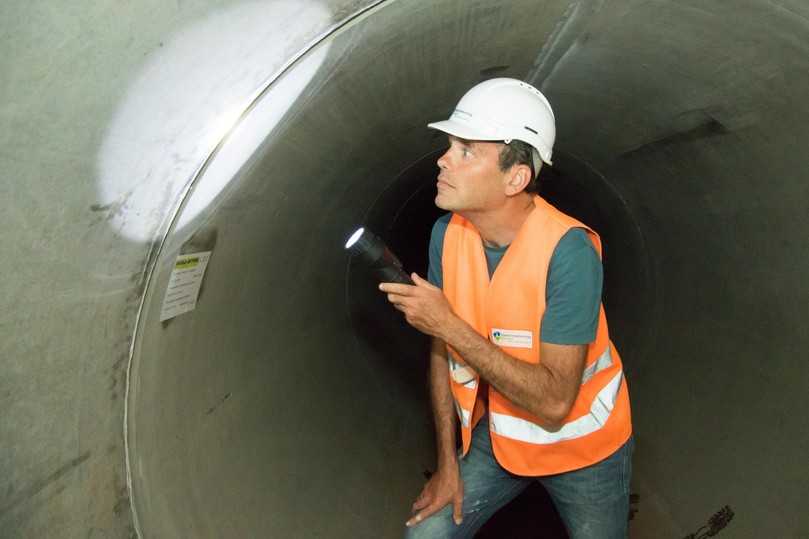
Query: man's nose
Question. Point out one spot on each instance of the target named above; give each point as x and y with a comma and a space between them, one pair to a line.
442, 161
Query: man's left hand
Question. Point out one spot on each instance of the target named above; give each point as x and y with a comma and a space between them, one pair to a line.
424, 305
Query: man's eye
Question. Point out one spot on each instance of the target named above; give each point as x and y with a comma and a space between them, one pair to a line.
466, 152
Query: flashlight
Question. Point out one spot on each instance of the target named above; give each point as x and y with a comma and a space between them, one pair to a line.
373, 251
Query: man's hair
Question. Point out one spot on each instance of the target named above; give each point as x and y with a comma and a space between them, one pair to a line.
518, 152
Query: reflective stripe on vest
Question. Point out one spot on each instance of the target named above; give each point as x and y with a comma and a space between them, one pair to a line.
604, 361
462, 374
464, 415
526, 431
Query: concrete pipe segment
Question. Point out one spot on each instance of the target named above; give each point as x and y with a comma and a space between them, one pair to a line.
291, 402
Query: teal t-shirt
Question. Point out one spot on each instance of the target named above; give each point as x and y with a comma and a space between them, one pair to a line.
572, 291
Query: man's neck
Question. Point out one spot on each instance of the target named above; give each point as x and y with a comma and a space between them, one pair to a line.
499, 227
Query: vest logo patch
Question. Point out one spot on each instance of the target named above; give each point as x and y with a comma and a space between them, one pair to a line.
512, 338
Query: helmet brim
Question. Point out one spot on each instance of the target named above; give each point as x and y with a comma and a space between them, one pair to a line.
463, 130
467, 132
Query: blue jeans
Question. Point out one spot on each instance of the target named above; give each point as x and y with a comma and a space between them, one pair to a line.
593, 501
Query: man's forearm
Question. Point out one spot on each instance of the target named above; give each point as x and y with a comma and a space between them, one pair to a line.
443, 408
530, 386
547, 389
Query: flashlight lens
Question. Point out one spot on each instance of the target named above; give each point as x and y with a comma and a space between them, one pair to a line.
354, 237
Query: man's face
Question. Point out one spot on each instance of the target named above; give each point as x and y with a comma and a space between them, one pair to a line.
470, 178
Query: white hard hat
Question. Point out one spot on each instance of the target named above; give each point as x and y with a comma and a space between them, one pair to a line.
504, 109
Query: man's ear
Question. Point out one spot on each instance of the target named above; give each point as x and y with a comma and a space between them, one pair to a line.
518, 179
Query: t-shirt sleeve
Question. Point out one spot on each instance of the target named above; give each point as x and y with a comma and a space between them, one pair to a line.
573, 291
435, 272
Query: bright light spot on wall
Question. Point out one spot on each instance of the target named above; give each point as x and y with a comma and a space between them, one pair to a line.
247, 136
189, 95
221, 125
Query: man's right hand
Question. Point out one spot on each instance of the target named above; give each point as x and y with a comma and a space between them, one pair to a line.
444, 487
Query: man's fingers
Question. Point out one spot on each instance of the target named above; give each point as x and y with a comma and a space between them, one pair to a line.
395, 288
398, 302
457, 506
424, 513
421, 282
422, 502
417, 278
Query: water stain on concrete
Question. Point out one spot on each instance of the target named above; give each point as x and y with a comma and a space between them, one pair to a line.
706, 127
40, 485
211, 409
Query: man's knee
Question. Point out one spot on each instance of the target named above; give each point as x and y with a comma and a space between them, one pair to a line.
608, 520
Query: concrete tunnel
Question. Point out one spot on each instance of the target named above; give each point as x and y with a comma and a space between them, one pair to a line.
291, 402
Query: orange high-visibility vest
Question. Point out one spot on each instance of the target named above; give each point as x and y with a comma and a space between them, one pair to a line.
508, 311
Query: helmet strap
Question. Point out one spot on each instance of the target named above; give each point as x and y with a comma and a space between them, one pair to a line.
537, 161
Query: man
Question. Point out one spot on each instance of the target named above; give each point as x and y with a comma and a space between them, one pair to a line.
520, 348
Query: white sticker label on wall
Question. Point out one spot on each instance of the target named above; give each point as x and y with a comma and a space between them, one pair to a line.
514, 338
184, 283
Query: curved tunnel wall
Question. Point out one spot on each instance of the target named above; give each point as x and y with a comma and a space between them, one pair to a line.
265, 398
